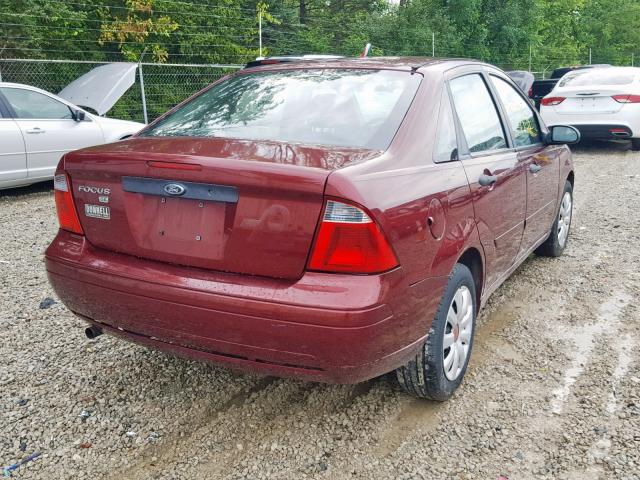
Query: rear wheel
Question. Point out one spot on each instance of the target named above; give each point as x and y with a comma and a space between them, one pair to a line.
635, 144
556, 242
437, 371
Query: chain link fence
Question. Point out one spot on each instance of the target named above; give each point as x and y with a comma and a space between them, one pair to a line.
165, 85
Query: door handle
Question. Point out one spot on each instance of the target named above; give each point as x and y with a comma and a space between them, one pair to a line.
486, 180
534, 168
36, 130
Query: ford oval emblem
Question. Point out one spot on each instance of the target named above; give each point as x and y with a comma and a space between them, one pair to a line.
174, 189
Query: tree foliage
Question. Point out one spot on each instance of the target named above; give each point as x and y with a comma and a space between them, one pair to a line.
510, 33
134, 26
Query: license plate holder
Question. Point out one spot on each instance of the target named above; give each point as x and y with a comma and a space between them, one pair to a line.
184, 227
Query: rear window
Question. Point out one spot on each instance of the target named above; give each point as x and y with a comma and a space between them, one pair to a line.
350, 108
597, 76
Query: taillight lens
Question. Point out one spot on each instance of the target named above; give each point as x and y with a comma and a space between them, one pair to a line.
66, 208
551, 101
349, 241
626, 98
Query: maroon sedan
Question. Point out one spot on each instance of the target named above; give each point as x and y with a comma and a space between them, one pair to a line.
332, 220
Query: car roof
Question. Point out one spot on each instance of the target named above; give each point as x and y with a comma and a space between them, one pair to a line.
393, 63
21, 85
28, 87
610, 70
605, 69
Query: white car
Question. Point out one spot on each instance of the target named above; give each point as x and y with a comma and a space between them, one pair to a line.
37, 127
602, 103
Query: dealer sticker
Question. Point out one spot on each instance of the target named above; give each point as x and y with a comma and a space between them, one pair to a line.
97, 211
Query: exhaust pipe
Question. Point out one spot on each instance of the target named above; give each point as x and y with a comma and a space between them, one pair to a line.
92, 332
620, 133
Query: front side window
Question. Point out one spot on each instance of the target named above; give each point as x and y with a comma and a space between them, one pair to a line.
29, 104
350, 108
519, 114
477, 113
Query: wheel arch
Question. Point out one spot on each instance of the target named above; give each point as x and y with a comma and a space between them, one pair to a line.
472, 259
570, 178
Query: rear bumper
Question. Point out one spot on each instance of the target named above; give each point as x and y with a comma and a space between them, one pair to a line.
331, 328
619, 125
614, 131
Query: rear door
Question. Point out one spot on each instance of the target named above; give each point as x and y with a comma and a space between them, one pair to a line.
496, 174
48, 129
540, 162
13, 160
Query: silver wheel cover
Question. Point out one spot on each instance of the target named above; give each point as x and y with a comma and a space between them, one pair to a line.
458, 331
564, 219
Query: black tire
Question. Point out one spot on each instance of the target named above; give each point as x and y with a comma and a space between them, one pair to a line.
424, 376
635, 144
553, 246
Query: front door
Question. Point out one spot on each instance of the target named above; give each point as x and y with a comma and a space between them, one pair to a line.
48, 129
13, 160
495, 173
540, 162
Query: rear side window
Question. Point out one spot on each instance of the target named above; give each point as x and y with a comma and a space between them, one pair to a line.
350, 108
446, 148
477, 114
30, 104
519, 114
597, 76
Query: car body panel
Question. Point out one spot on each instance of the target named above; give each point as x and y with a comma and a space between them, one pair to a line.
324, 325
46, 140
268, 231
13, 157
100, 88
499, 209
283, 319
114, 129
588, 101
541, 207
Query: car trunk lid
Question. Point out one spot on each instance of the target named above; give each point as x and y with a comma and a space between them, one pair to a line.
587, 100
228, 205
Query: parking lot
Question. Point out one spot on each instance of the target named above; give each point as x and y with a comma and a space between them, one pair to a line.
553, 388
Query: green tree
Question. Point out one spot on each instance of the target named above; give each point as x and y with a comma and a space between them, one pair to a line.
136, 28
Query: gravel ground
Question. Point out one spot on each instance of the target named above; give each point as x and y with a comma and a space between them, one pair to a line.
552, 392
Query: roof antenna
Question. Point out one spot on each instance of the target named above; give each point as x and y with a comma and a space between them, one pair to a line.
365, 52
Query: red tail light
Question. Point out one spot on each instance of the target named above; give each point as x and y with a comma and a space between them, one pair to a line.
67, 214
349, 241
551, 101
530, 92
627, 98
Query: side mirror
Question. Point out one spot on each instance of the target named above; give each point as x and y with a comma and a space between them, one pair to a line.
79, 115
562, 135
